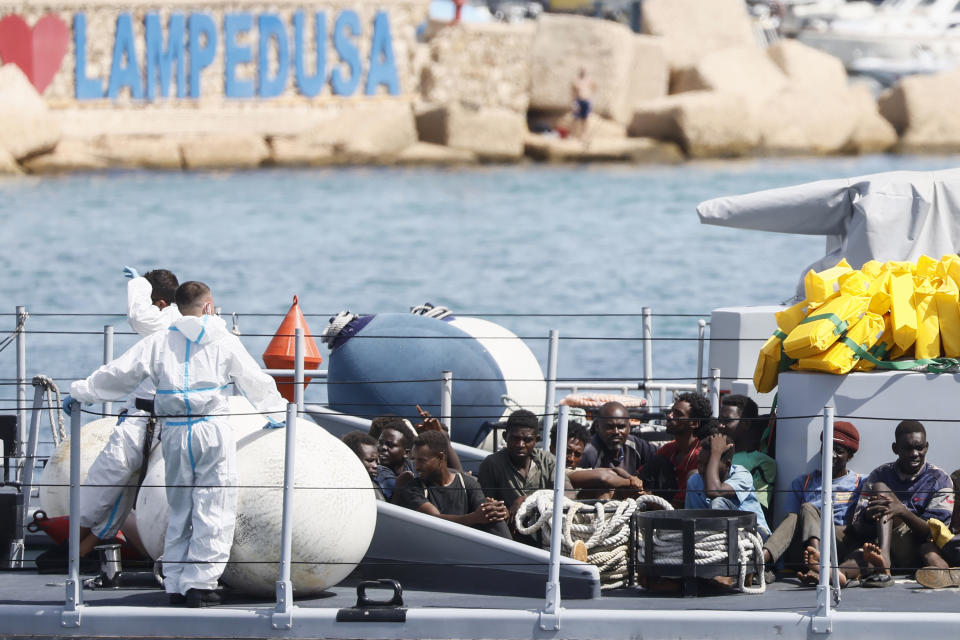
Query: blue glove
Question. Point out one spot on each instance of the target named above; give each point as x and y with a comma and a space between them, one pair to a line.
274, 424
67, 401
130, 272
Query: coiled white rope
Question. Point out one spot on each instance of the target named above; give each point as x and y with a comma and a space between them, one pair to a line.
605, 535
55, 412
430, 310
337, 323
710, 547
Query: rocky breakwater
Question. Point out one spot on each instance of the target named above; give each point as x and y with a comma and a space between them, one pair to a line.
213, 84
27, 129
695, 85
923, 110
729, 97
207, 84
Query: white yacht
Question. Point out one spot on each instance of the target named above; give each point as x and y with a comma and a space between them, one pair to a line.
898, 37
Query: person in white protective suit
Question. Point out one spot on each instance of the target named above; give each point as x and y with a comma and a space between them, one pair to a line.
110, 490
192, 365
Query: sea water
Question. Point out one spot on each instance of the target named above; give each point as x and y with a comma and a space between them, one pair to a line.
580, 249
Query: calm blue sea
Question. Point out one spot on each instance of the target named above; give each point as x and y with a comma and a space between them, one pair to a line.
523, 239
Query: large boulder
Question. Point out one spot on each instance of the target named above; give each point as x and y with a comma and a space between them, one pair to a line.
70, 154
375, 132
596, 126
745, 71
26, 127
655, 118
8, 165
224, 151
554, 149
922, 108
798, 120
872, 133
706, 124
694, 28
298, 151
485, 65
805, 65
427, 154
623, 67
494, 135
139, 152
649, 76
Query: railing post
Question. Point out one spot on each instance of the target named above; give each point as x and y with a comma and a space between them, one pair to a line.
647, 350
298, 380
107, 357
715, 392
73, 603
283, 613
701, 341
446, 402
821, 620
550, 402
550, 616
26, 479
21, 322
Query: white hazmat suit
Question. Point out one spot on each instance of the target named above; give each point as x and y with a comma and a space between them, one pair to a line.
192, 365
109, 492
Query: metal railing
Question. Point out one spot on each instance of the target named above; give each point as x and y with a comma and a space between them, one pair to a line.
827, 594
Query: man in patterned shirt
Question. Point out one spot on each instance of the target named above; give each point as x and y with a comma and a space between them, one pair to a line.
898, 499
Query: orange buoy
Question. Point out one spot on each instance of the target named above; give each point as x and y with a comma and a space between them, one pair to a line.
281, 352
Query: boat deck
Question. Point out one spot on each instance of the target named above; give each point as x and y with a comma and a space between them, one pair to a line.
787, 594
31, 605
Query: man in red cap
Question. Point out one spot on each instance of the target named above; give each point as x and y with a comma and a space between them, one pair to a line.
797, 538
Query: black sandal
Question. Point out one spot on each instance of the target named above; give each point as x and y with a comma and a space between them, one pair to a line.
877, 580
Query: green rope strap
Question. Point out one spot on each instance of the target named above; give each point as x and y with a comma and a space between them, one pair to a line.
779, 334
839, 325
785, 360
924, 365
881, 350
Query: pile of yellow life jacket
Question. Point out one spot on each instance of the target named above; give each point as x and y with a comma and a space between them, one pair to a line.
890, 315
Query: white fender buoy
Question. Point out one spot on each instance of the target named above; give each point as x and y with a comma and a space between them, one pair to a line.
333, 521
55, 479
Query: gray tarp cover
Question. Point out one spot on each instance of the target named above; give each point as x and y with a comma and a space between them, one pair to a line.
899, 215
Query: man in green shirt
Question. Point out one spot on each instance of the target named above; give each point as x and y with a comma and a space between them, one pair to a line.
520, 468
738, 415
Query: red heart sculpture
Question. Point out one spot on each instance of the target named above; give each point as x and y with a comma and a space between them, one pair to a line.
39, 51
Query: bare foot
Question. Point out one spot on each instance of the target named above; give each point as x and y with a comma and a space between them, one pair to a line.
811, 575
874, 558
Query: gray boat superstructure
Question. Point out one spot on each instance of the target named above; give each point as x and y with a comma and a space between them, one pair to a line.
461, 583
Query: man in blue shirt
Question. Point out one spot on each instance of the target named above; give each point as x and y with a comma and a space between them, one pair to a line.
800, 529
720, 484
899, 498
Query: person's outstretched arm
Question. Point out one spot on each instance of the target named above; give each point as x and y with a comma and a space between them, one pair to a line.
144, 317
115, 380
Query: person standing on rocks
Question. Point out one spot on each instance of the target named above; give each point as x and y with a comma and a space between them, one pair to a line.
581, 88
